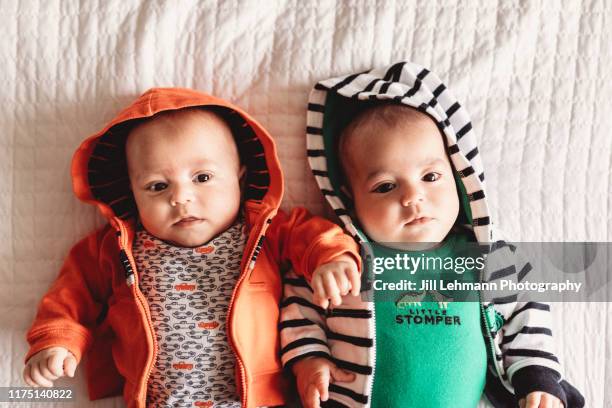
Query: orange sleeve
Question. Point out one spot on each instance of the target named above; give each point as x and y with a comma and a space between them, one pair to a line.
308, 241
68, 311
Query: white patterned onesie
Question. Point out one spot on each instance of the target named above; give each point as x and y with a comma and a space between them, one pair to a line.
189, 291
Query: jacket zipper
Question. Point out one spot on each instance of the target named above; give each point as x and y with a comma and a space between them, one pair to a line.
488, 329
249, 266
371, 394
140, 298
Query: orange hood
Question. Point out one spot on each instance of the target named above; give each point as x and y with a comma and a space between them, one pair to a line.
99, 170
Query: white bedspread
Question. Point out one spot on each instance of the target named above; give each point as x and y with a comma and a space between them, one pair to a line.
535, 76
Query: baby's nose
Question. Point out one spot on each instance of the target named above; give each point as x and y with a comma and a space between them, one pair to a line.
411, 195
181, 196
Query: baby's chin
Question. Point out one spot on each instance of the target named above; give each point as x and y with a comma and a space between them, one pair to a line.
412, 242
189, 243
188, 240
411, 246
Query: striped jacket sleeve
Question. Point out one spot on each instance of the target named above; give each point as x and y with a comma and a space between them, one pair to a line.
526, 340
529, 351
341, 335
302, 323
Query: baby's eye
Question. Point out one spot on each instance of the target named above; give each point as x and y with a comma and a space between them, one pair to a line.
156, 187
430, 177
202, 178
384, 188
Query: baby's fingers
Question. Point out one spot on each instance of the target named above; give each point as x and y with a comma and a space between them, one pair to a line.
355, 280
322, 385
37, 376
323, 302
27, 377
311, 399
55, 364
549, 401
70, 365
331, 290
319, 298
533, 400
342, 282
44, 370
340, 375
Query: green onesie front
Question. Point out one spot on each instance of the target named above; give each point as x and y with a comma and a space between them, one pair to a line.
430, 351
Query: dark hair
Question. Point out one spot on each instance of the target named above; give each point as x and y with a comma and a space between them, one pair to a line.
371, 119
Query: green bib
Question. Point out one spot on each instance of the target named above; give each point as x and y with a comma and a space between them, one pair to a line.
429, 353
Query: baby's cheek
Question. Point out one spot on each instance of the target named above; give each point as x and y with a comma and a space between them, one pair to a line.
368, 224
154, 219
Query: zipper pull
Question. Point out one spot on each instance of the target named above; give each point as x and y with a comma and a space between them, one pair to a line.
259, 245
494, 319
127, 267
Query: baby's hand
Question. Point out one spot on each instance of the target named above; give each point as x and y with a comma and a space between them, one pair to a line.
313, 375
538, 399
332, 280
48, 365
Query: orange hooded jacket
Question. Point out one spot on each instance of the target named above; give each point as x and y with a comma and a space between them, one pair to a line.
95, 304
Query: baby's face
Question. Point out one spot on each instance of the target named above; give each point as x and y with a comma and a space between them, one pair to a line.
402, 183
185, 175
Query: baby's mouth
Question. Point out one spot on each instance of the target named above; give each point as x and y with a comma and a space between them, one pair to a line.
419, 220
188, 221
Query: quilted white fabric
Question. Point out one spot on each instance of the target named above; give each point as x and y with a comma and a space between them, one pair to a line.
533, 74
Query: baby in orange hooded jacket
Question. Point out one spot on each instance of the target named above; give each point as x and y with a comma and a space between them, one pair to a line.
176, 299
